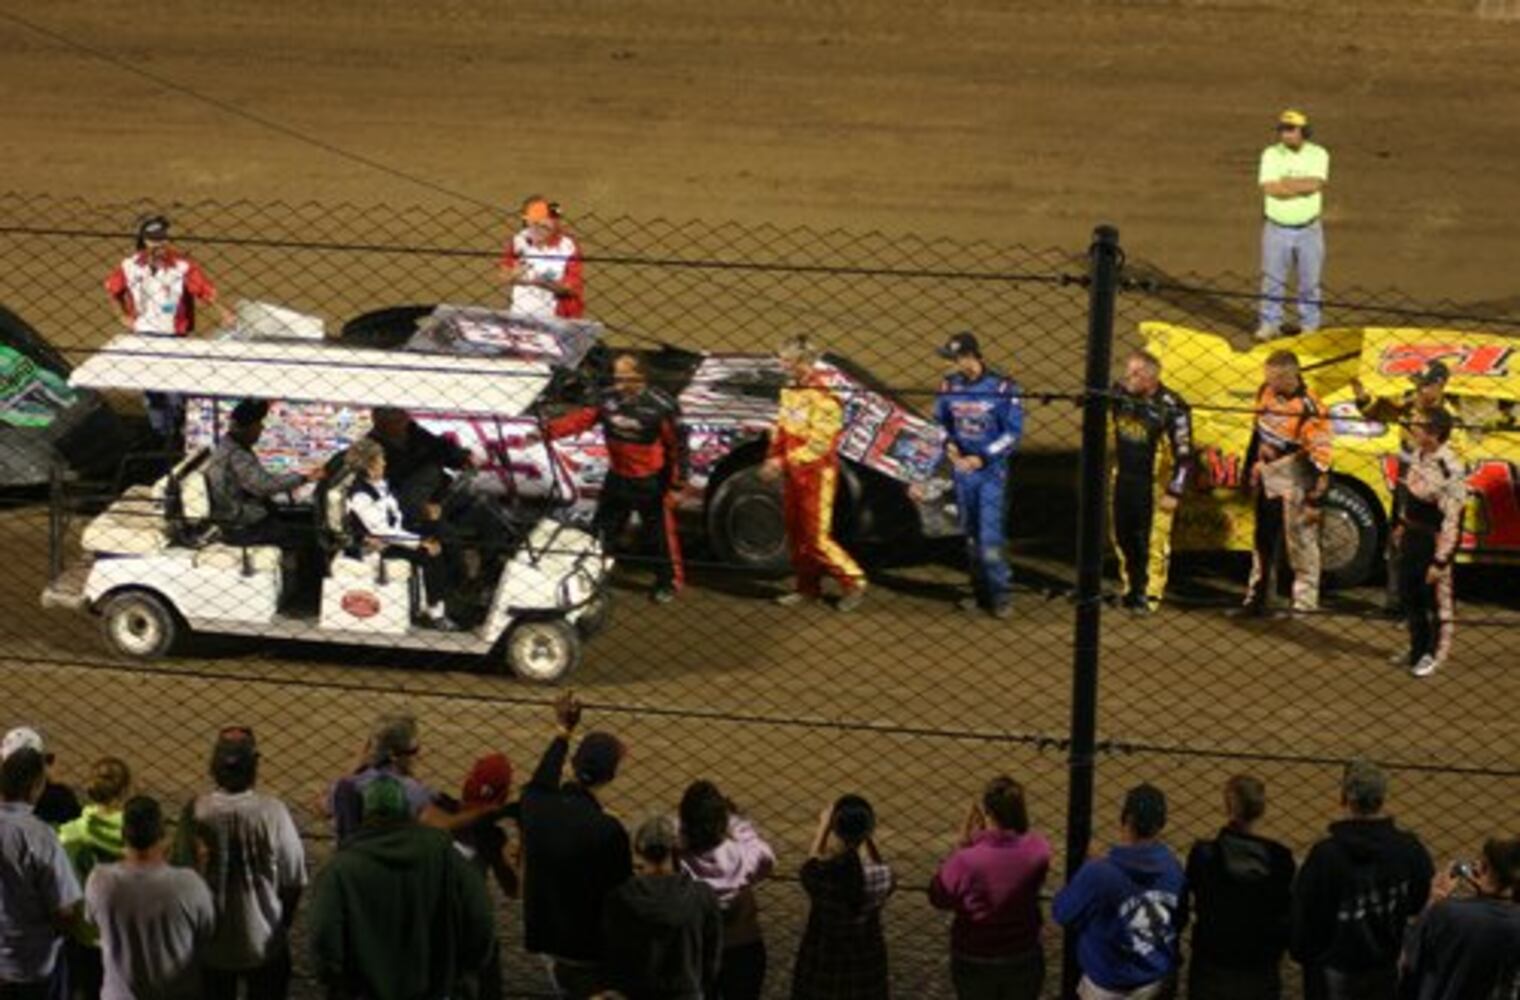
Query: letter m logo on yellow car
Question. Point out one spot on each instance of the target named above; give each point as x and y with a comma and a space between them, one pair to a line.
1220, 383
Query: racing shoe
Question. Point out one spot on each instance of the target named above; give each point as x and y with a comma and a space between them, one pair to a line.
440, 623
1399, 659
1002, 610
850, 600
662, 595
1425, 667
969, 604
792, 599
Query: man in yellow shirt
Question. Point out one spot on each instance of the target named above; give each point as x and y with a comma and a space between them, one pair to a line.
1293, 175
804, 454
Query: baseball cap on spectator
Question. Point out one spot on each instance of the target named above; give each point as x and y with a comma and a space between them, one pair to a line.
154, 229
960, 345
1292, 118
234, 758
596, 759
249, 412
1433, 372
24, 738
489, 781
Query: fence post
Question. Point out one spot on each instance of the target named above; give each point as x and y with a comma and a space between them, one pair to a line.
1092, 500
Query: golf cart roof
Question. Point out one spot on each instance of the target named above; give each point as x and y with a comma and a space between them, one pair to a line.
314, 370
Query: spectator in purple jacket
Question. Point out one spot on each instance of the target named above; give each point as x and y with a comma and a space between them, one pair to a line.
723, 849
992, 883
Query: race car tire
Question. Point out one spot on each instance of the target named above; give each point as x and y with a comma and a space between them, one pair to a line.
1351, 536
386, 329
138, 625
543, 650
746, 523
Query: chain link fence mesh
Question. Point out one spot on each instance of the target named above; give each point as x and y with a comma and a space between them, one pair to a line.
907, 700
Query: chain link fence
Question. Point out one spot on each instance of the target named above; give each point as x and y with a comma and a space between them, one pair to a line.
907, 700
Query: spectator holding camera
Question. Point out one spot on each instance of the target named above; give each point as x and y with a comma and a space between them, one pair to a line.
1128, 908
722, 848
1467, 942
843, 952
992, 883
1242, 891
1356, 893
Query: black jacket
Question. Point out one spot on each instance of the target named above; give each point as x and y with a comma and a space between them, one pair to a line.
1242, 888
663, 936
1355, 896
573, 856
1465, 948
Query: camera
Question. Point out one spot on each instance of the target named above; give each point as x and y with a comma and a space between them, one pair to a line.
1464, 870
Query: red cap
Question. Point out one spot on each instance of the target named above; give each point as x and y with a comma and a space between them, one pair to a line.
489, 782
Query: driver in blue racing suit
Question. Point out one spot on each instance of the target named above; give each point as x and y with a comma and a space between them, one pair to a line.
982, 412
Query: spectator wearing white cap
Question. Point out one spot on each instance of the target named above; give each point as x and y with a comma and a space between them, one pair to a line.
58, 804
39, 894
1292, 176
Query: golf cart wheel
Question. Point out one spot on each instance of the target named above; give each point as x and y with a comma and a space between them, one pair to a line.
543, 652
596, 616
138, 625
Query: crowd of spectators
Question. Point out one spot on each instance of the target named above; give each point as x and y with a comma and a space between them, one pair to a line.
114, 899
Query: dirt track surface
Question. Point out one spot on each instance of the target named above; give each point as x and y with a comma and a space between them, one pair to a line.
1023, 125
1024, 122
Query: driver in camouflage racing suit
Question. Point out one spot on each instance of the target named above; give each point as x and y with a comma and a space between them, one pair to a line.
1148, 483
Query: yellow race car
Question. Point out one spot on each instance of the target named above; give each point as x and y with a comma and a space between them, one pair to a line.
1220, 384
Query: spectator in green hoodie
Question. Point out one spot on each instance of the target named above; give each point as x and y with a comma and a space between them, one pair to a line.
94, 838
398, 913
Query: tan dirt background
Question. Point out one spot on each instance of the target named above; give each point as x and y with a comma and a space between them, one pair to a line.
1015, 123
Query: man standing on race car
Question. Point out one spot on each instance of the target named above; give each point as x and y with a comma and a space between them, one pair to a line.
1427, 397
804, 454
1434, 485
1145, 411
1289, 463
155, 291
541, 265
648, 466
982, 413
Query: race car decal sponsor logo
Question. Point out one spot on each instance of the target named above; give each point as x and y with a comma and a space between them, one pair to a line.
1215, 470
1493, 509
1479, 360
360, 603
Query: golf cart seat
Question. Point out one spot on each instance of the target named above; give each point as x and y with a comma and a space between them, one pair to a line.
133, 525
189, 524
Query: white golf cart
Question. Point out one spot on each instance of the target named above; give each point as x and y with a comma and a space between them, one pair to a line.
155, 565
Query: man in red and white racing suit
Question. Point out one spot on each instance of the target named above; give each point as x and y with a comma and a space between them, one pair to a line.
804, 453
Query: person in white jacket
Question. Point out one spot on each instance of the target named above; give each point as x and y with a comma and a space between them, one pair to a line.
375, 524
723, 849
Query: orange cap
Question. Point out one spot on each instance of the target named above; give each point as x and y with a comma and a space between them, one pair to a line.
539, 210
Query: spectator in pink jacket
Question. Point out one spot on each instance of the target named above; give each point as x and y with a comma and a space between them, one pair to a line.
723, 849
992, 884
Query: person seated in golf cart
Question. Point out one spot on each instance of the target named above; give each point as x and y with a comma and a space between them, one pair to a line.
377, 525
416, 464
242, 491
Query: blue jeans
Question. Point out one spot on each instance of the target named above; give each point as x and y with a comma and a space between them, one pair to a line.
1283, 248
981, 500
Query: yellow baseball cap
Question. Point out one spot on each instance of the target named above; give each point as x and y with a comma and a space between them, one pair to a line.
1293, 118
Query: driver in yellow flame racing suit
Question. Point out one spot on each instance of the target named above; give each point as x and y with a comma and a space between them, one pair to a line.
1289, 463
1145, 411
804, 454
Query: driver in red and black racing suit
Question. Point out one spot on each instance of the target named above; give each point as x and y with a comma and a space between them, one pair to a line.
648, 466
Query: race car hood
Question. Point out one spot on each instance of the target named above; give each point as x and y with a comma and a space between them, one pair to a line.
494, 333
1205, 369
